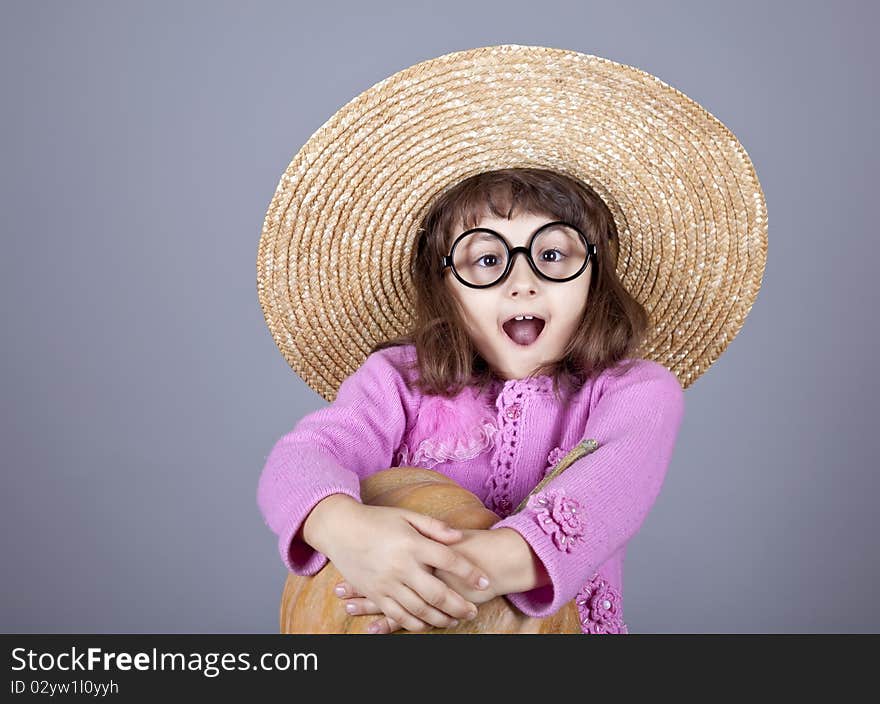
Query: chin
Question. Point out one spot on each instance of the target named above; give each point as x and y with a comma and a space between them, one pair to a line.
526, 366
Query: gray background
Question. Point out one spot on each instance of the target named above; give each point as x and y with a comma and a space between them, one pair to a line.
142, 143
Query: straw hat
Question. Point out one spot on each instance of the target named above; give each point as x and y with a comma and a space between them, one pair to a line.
333, 260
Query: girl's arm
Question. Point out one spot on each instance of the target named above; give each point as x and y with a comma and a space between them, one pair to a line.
330, 450
579, 519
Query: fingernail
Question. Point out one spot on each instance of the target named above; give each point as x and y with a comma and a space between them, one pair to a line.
483, 583
340, 591
373, 628
454, 622
349, 608
472, 614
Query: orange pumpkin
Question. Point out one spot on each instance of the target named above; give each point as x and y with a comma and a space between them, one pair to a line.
309, 605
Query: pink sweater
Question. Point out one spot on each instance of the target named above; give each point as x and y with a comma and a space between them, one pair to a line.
498, 447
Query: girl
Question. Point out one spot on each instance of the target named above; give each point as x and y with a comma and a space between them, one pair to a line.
523, 345
474, 202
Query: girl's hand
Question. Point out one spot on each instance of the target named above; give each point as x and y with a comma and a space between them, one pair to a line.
475, 543
356, 604
388, 555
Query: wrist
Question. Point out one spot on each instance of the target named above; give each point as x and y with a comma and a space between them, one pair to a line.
328, 514
517, 568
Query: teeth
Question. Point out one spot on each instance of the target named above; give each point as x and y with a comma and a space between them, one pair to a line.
527, 317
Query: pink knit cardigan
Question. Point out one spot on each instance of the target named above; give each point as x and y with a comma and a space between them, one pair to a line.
499, 446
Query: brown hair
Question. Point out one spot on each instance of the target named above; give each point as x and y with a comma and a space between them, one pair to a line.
614, 324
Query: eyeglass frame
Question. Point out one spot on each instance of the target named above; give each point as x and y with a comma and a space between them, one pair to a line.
446, 260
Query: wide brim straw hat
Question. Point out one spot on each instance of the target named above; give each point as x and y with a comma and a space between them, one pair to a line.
333, 272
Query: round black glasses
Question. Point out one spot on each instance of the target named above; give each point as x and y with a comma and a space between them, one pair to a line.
557, 251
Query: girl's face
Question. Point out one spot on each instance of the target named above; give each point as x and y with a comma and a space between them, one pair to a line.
561, 305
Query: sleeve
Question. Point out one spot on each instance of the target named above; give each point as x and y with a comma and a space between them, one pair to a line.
330, 450
585, 514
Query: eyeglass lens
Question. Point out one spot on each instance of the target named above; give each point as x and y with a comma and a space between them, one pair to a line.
480, 258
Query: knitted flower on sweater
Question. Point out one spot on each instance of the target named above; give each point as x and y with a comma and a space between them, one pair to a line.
559, 516
600, 608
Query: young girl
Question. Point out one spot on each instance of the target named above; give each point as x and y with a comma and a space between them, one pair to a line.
523, 345
440, 262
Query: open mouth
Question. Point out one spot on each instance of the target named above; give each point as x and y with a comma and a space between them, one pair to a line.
524, 329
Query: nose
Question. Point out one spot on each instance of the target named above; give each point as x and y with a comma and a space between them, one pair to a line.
521, 277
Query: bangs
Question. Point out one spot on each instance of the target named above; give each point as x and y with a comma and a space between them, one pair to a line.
500, 196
